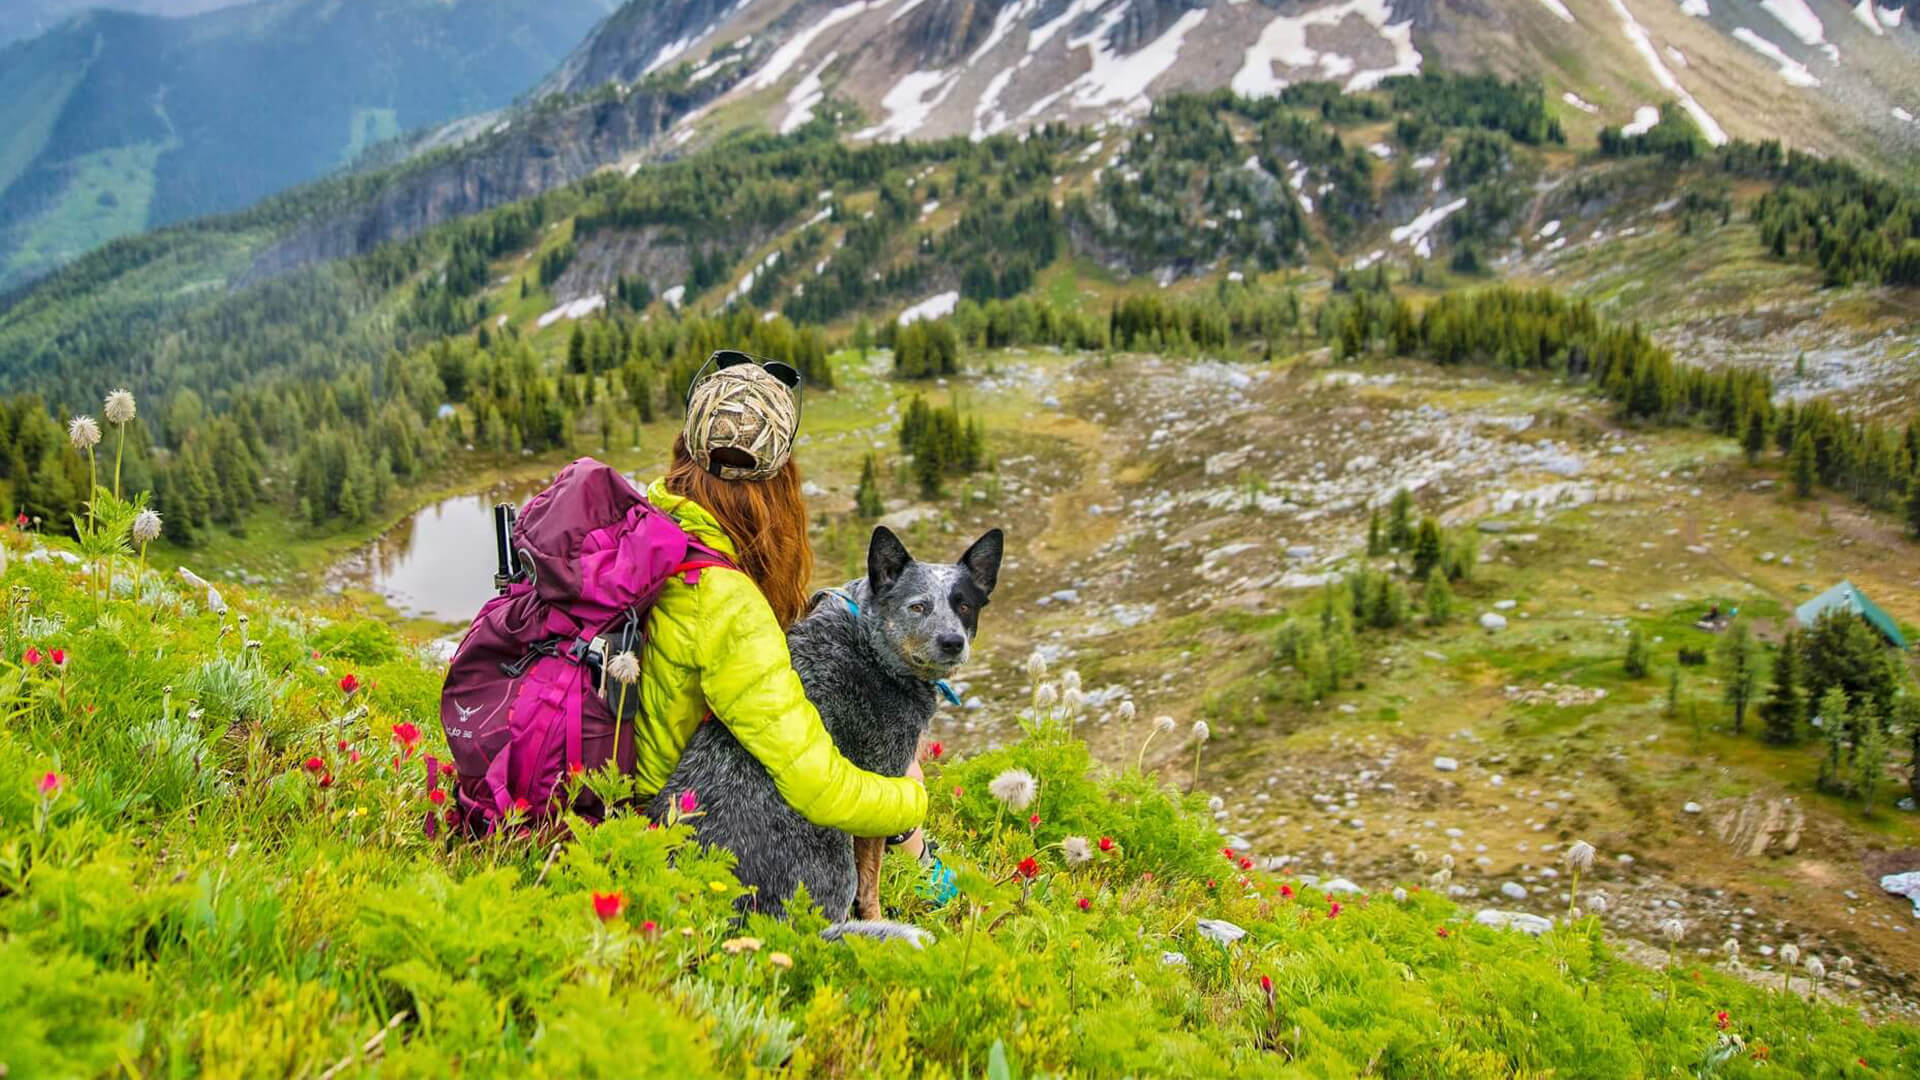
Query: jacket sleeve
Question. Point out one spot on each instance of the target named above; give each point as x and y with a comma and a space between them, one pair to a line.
748, 679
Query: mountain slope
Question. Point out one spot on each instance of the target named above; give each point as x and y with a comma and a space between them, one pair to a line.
1838, 78
115, 122
31, 18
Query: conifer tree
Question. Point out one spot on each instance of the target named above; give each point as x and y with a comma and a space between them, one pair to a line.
1739, 671
1400, 520
1376, 545
1800, 464
866, 498
1637, 660
1783, 709
1427, 550
1438, 598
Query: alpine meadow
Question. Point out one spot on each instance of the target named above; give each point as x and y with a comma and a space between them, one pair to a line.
1446, 481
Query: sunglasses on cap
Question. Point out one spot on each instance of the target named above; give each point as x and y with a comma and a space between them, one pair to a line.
722, 359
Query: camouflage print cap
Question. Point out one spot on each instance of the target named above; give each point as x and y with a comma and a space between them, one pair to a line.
745, 410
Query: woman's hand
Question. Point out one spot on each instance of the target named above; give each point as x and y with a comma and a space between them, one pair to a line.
916, 843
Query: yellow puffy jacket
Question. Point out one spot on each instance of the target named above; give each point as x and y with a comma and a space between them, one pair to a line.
715, 645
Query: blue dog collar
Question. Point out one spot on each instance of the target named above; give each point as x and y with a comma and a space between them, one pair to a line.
946, 691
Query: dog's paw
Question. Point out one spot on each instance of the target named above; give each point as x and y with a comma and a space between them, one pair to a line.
878, 930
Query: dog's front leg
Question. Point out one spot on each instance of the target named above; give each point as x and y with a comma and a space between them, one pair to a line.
868, 851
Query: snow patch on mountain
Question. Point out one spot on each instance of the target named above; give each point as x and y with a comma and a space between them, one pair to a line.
1793, 71
1558, 8
805, 94
1644, 118
937, 306
794, 48
1580, 103
909, 104
1636, 36
1799, 20
1863, 11
1123, 80
1284, 41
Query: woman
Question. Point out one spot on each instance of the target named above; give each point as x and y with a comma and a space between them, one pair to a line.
717, 647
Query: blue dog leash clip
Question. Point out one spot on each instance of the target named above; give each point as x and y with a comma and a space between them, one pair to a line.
938, 884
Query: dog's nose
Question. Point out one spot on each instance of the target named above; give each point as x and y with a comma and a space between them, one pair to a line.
950, 644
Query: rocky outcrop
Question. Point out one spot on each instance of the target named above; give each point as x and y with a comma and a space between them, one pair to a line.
534, 150
641, 36
1755, 827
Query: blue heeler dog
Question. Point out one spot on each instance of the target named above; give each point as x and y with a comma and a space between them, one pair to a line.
873, 656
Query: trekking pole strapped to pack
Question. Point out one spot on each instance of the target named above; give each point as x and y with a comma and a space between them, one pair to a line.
524, 706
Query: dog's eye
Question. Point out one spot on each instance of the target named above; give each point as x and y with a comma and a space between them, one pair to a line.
963, 609
917, 608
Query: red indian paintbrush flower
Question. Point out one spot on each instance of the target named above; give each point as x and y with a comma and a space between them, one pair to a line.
689, 801
1028, 868
649, 927
1085, 904
934, 749
1033, 822
1227, 853
315, 765
1286, 892
1333, 910
1246, 864
437, 797
1722, 1020
609, 905
32, 657
51, 784
59, 657
349, 683
1106, 843
408, 735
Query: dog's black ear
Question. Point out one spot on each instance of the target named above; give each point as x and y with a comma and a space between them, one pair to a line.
982, 560
887, 559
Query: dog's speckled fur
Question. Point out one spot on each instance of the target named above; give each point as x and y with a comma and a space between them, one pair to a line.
871, 676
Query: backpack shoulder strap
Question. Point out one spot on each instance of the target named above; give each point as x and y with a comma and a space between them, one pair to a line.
700, 558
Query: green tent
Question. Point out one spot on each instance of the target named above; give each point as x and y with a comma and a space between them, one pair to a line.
1846, 597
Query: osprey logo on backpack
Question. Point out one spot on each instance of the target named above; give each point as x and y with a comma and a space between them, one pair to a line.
521, 706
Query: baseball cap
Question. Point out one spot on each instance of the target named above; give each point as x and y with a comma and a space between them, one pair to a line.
742, 415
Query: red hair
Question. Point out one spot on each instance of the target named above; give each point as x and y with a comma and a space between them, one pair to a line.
767, 521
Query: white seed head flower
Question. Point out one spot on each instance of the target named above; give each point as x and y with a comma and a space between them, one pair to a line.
1201, 732
1816, 969
1597, 903
1015, 789
1446, 860
1046, 696
1790, 954
1400, 896
1076, 850
1036, 666
1216, 804
1439, 878
1127, 709
1673, 929
119, 407
1731, 947
1580, 855
146, 526
1420, 858
1070, 680
1845, 963
1073, 700
1163, 724
83, 432
624, 668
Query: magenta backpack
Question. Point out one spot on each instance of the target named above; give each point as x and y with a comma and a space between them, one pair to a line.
526, 699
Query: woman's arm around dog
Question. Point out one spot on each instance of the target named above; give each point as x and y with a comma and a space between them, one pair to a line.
747, 676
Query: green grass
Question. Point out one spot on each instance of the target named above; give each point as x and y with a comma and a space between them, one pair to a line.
107, 197
190, 900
